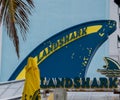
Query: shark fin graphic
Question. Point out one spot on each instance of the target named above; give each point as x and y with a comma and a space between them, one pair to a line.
111, 69
69, 52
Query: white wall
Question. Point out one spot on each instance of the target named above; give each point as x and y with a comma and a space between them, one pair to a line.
113, 43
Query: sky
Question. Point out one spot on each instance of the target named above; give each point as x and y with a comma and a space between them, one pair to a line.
50, 17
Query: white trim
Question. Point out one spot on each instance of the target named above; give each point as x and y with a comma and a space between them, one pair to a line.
18, 97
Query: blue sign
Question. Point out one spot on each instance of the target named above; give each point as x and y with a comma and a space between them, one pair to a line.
69, 52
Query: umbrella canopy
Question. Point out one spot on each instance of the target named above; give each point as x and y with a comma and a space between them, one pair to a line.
31, 89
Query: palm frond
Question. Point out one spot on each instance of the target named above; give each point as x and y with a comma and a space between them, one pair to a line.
14, 14
30, 3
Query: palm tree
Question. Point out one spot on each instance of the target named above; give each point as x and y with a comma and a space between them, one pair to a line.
14, 16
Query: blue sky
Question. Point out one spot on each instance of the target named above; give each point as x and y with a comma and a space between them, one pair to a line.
49, 17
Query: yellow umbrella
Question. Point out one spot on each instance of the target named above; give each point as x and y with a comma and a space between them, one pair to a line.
31, 89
